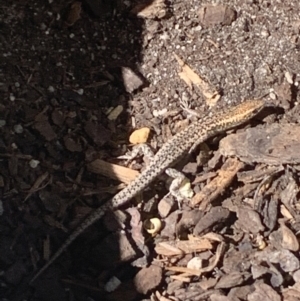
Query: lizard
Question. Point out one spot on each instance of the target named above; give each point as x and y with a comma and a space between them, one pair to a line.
180, 144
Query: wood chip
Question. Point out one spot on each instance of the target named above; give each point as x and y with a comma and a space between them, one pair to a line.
45, 129
289, 239
148, 279
113, 171
214, 188
172, 248
97, 132
231, 280
249, 220
191, 77
57, 117
217, 215
263, 292
72, 145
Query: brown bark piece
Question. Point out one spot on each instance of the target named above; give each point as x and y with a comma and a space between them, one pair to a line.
165, 206
207, 284
237, 261
58, 117
137, 230
284, 237
213, 189
263, 292
231, 280
170, 222
249, 220
45, 129
285, 259
148, 279
274, 144
219, 297
292, 293
188, 220
115, 249
113, 171
251, 176
289, 194
97, 132
215, 216
72, 145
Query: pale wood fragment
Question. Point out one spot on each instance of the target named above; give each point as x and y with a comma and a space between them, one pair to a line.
113, 171
190, 77
171, 248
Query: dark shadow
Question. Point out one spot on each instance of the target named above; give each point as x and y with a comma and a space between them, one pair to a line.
58, 82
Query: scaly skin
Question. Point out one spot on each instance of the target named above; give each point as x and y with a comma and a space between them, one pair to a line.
196, 133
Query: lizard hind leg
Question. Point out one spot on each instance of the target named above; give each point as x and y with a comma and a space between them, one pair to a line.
140, 149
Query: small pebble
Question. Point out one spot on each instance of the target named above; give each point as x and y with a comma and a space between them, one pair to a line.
34, 163
18, 129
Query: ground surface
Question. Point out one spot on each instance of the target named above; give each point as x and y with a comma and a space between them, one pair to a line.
61, 76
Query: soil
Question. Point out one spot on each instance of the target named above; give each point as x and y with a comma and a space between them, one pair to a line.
64, 67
